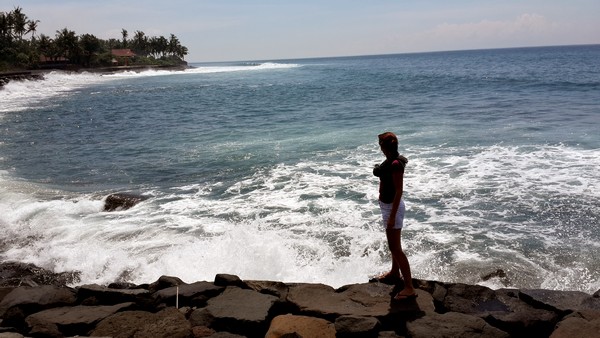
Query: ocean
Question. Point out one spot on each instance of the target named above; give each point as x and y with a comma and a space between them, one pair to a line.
263, 169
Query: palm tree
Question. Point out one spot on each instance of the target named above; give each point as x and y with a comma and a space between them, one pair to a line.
124, 34
32, 27
140, 42
19, 22
90, 45
67, 44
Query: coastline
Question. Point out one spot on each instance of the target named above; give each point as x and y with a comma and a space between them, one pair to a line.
38, 74
36, 302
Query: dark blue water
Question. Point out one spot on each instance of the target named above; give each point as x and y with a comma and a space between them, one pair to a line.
274, 159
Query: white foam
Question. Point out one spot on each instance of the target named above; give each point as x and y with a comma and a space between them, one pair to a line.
26, 94
202, 70
317, 221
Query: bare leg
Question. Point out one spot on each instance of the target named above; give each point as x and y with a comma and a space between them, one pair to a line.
399, 261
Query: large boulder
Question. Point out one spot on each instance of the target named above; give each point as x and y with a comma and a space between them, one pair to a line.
195, 294
452, 324
369, 299
520, 318
356, 327
102, 295
122, 201
241, 311
579, 324
32, 299
76, 320
168, 323
560, 301
300, 326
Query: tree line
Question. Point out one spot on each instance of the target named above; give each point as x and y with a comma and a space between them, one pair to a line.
22, 48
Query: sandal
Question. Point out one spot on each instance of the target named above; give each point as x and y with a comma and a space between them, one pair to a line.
386, 278
401, 297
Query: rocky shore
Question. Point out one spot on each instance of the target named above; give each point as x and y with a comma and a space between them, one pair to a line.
38, 303
6, 77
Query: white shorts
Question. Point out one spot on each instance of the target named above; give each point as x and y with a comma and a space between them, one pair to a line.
386, 210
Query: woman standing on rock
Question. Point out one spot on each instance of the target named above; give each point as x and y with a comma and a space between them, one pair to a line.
391, 182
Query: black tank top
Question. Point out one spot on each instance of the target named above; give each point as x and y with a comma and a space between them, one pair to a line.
385, 171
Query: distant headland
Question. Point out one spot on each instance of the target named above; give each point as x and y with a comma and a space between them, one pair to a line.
22, 51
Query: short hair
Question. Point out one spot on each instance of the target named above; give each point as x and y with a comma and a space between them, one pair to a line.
388, 141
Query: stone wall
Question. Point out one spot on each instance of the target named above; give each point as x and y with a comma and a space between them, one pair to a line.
231, 307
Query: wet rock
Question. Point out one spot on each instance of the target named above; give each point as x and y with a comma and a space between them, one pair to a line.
20, 274
77, 320
168, 323
122, 201
300, 326
452, 324
240, 311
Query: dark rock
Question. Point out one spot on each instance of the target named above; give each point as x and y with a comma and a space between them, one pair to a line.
20, 274
471, 299
123, 285
388, 334
560, 301
195, 294
41, 328
356, 326
108, 296
168, 323
241, 311
597, 294
230, 280
72, 321
300, 326
201, 317
122, 201
452, 324
520, 318
164, 282
277, 289
32, 299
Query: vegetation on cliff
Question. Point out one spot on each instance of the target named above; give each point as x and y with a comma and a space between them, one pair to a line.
22, 48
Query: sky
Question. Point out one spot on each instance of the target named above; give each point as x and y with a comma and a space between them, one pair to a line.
245, 30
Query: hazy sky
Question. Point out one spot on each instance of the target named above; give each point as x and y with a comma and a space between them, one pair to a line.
228, 30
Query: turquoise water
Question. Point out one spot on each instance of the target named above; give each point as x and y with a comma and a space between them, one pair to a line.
263, 169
